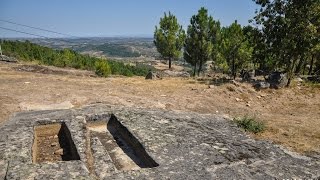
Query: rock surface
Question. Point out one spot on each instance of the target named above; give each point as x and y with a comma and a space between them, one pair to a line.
170, 73
153, 75
247, 75
277, 80
262, 85
8, 59
185, 145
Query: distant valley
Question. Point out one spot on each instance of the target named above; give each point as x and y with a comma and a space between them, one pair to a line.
105, 47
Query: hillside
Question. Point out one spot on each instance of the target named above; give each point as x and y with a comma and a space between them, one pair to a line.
291, 115
105, 46
30, 52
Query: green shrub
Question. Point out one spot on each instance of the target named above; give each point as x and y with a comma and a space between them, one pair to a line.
311, 84
250, 124
102, 68
120, 68
142, 69
28, 51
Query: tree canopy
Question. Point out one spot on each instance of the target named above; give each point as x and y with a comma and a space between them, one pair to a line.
198, 44
169, 37
28, 51
284, 35
291, 31
235, 48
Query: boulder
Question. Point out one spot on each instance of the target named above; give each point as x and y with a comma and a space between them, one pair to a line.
170, 73
262, 85
277, 80
315, 79
298, 79
247, 75
153, 75
259, 72
8, 59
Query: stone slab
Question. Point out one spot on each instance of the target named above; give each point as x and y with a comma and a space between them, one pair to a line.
185, 145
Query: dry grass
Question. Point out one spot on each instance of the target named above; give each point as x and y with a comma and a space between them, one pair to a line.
292, 116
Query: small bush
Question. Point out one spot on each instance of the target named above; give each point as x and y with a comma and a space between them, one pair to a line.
250, 124
142, 69
120, 68
312, 84
102, 68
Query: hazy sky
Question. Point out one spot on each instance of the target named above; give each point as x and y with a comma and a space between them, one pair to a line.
112, 18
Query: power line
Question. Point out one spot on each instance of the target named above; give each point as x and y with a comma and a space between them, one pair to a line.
34, 34
23, 32
36, 28
46, 30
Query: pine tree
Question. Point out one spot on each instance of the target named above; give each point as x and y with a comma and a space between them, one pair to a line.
236, 49
169, 37
198, 45
290, 28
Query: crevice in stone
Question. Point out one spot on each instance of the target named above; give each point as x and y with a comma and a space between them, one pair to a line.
7, 170
53, 142
124, 149
90, 159
130, 144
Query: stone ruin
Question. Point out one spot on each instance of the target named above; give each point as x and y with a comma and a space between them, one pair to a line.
105, 142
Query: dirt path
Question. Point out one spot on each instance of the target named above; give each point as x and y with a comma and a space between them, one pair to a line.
292, 115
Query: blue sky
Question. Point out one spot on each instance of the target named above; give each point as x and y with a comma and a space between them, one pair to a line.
112, 18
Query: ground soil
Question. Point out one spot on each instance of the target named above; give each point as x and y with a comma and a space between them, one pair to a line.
46, 144
292, 115
51, 143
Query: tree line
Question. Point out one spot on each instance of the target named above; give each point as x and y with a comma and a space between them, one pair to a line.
284, 35
28, 51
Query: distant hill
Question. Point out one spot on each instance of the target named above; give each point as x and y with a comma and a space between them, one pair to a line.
112, 50
126, 47
28, 51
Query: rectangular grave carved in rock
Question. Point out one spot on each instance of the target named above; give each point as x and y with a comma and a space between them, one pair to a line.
125, 150
53, 142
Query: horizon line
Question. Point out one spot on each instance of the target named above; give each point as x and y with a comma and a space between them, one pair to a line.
79, 37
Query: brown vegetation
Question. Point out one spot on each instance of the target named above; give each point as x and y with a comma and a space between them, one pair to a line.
291, 115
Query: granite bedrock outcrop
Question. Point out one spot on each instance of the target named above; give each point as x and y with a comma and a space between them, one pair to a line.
185, 145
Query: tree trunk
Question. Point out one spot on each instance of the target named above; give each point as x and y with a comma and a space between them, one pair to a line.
290, 74
170, 62
304, 68
311, 65
194, 70
289, 81
301, 62
290, 71
233, 68
200, 68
